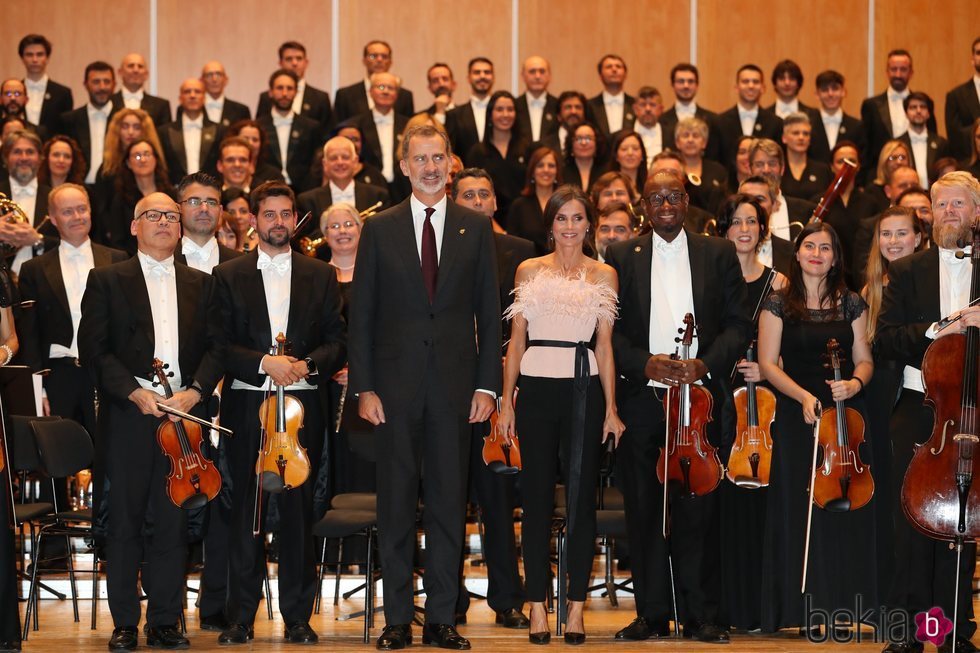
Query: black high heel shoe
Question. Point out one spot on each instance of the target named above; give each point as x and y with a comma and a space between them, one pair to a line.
574, 639
540, 638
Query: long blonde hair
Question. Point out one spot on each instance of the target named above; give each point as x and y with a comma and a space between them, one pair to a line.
115, 152
877, 268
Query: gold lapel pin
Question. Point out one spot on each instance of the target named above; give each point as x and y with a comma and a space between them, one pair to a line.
637, 249
462, 231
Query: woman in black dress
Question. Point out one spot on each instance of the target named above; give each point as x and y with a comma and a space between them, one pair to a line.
502, 152
585, 151
794, 327
803, 177
691, 138
143, 171
526, 216
629, 156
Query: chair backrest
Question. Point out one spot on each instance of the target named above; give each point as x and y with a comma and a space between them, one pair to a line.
64, 445
24, 445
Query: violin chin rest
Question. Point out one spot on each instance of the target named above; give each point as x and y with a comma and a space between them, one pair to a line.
195, 501
497, 467
748, 482
272, 483
843, 504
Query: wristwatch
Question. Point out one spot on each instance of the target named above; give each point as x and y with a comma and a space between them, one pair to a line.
310, 365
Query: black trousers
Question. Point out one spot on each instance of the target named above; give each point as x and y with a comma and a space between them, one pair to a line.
431, 440
71, 393
9, 608
213, 597
925, 569
694, 535
246, 553
138, 469
544, 423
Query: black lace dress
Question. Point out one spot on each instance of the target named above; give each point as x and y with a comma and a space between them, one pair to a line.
842, 545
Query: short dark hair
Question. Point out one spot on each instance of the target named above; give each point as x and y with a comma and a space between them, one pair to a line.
610, 56
913, 190
647, 92
788, 67
685, 67
199, 177
99, 67
748, 66
976, 41
899, 52
33, 39
829, 77
438, 64
270, 189
236, 129
921, 97
233, 193
291, 45
615, 207
423, 130
367, 45
474, 60
279, 73
233, 141
567, 95
470, 173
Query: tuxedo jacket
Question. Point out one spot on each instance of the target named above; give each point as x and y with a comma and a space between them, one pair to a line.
75, 124
398, 338
802, 108
721, 310
158, 108
877, 122
351, 101
40, 204
937, 147
549, 118
225, 254
962, 109
668, 126
315, 328
174, 150
316, 107
231, 113
57, 100
305, 138
595, 110
461, 126
851, 129
767, 125
511, 252
318, 200
782, 255
371, 147
116, 338
48, 322
909, 306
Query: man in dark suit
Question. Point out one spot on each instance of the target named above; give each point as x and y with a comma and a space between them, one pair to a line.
537, 109
199, 196
21, 153
308, 102
382, 126
442, 85
571, 114
146, 308
466, 122
133, 73
221, 110
47, 99
829, 123
963, 109
191, 143
235, 163
421, 379
922, 289
611, 110
269, 292
293, 139
747, 117
13, 106
496, 493
882, 115
685, 79
648, 107
355, 99
663, 275
925, 146
766, 158
787, 81
88, 124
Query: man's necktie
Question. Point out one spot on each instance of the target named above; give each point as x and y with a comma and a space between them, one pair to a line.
430, 260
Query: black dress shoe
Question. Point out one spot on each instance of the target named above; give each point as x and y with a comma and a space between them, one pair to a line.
512, 618
707, 633
444, 636
124, 638
540, 638
236, 634
395, 637
301, 633
641, 628
168, 637
574, 638
908, 646
214, 622
10, 647
963, 645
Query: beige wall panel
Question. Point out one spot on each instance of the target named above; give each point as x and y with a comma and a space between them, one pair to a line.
650, 35
245, 36
939, 38
421, 33
81, 31
815, 34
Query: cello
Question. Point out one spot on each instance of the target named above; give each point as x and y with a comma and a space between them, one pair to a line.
751, 455
193, 480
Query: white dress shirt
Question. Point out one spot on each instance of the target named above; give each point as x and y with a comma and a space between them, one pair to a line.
976, 86
161, 286
25, 197
76, 262
765, 252
198, 257
779, 220
98, 121
132, 100
385, 124
535, 110
298, 100
562, 138
346, 195
831, 125
747, 117
35, 98
653, 140
480, 114
615, 108
438, 221
192, 141
900, 122
283, 125
783, 109
920, 154
685, 109
214, 107
367, 92
671, 295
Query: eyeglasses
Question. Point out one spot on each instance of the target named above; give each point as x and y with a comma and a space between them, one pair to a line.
675, 197
385, 87
898, 157
337, 226
14, 94
378, 56
144, 156
152, 215
209, 202
584, 139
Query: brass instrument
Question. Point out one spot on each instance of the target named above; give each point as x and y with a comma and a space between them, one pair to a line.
12, 213
310, 246
710, 227
248, 239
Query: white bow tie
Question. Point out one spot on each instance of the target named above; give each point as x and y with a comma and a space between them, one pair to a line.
617, 100
160, 270
24, 191
214, 104
279, 121
384, 120
281, 264
948, 256
190, 249
748, 114
671, 248
832, 120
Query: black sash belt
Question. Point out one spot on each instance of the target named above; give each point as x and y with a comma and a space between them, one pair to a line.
577, 438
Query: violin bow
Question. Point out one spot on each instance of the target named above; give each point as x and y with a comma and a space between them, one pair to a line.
809, 509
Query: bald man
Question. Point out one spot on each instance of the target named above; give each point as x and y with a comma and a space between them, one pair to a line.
220, 109
537, 109
133, 73
190, 144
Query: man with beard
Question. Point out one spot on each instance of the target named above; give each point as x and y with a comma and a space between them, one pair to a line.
923, 288
424, 295
293, 139
442, 86
199, 195
88, 124
13, 104
925, 146
648, 106
571, 114
963, 108
466, 122
21, 152
269, 292
307, 101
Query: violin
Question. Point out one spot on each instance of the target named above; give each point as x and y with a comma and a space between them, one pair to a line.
751, 455
193, 479
938, 495
689, 460
500, 457
841, 482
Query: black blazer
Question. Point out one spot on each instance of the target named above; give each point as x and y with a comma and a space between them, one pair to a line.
720, 307
40, 204
115, 336
319, 200
397, 337
158, 108
668, 125
352, 101
75, 124
851, 129
595, 109
371, 147
49, 321
909, 306
172, 140
549, 119
57, 100
315, 328
225, 254
305, 138
511, 252
782, 255
461, 126
812, 183
877, 122
936, 148
962, 109
526, 221
316, 107
231, 113
767, 125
